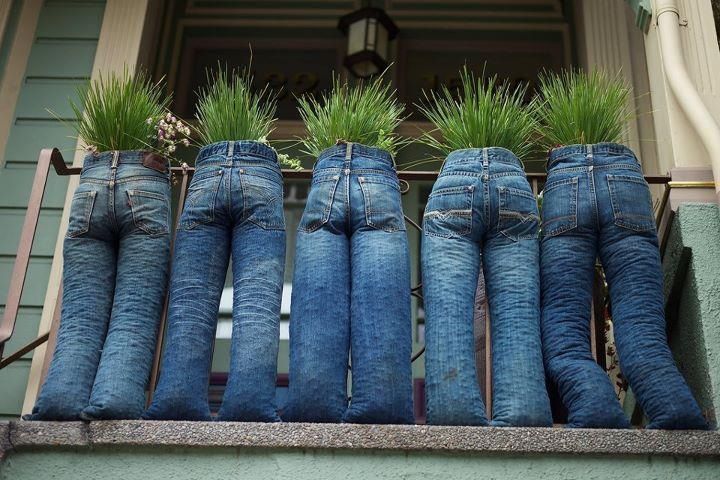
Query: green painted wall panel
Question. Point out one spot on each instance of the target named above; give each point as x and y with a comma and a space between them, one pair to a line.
28, 138
70, 59
35, 281
71, 19
16, 182
12, 222
259, 464
26, 330
13, 380
40, 95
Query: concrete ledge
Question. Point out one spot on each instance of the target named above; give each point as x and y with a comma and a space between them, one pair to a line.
47, 435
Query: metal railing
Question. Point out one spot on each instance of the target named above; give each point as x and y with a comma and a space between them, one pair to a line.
53, 158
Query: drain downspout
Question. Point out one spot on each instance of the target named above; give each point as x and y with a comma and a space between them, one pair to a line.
667, 16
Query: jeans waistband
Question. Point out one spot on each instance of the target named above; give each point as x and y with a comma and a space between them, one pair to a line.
472, 159
590, 154
342, 152
122, 157
236, 153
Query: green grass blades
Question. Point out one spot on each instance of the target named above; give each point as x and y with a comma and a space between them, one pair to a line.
581, 108
113, 111
483, 113
228, 109
367, 113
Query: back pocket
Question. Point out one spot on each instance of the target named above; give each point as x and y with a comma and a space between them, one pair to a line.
262, 201
80, 213
631, 202
559, 207
448, 212
200, 200
319, 203
150, 211
383, 203
518, 213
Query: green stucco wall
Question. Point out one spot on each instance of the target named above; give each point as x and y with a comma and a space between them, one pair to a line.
695, 338
177, 464
60, 60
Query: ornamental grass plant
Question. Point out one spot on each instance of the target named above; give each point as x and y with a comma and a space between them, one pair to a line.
229, 109
113, 112
366, 112
575, 107
481, 113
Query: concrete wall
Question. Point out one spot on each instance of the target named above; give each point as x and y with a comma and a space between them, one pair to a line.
695, 337
256, 464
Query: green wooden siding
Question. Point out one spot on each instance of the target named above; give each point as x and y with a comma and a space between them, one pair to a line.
60, 60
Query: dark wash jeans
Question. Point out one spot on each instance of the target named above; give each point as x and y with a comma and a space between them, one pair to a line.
116, 256
482, 214
234, 205
351, 292
596, 202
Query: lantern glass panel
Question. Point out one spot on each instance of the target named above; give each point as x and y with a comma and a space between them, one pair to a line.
356, 36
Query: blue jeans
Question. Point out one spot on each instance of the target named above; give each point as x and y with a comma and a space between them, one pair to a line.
234, 205
116, 256
351, 292
596, 202
482, 212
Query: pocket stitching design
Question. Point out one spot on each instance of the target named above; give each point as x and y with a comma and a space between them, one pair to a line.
619, 217
190, 200
368, 205
504, 213
328, 208
468, 192
86, 215
271, 200
573, 207
139, 223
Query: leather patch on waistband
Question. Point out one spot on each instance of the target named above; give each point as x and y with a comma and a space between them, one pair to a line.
155, 161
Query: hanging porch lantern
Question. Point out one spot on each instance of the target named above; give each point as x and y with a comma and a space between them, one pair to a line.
369, 32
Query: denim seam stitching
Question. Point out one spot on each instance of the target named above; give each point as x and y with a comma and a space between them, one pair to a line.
469, 192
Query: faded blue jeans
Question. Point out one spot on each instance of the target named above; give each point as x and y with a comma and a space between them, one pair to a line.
597, 203
234, 206
116, 256
482, 212
351, 293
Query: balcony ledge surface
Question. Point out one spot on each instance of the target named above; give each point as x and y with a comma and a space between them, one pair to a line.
21, 435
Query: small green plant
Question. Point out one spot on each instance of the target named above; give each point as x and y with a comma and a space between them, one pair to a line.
575, 107
228, 108
483, 113
367, 113
115, 112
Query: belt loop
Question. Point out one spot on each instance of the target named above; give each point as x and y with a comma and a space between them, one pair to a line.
115, 158
348, 150
589, 150
231, 149
486, 158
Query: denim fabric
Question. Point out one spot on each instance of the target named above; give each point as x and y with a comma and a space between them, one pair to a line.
482, 212
234, 205
596, 202
351, 292
116, 255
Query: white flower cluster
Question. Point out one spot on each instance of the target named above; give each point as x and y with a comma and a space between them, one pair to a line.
171, 132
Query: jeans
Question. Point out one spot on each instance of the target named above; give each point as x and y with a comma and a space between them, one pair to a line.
596, 202
116, 258
234, 205
482, 212
351, 293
